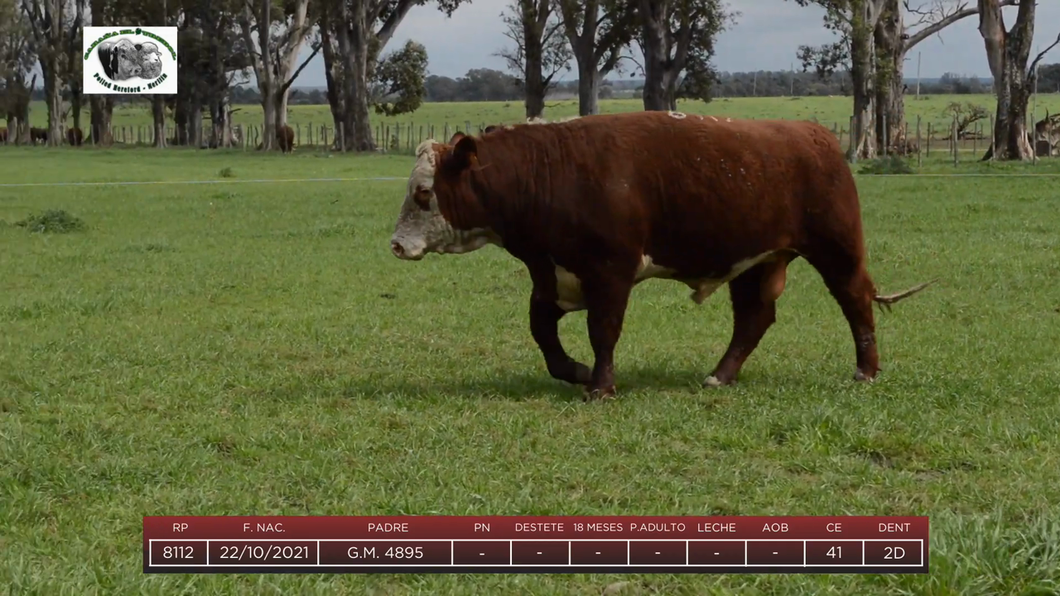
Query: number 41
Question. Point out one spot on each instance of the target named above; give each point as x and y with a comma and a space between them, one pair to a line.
835, 551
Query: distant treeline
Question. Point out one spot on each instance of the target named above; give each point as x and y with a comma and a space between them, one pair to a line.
484, 84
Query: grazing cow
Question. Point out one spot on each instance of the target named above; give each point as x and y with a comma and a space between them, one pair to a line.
595, 206
38, 134
74, 136
284, 139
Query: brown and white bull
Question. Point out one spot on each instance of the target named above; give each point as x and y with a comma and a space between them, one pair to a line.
596, 205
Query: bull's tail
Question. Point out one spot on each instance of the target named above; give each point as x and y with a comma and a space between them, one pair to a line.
889, 299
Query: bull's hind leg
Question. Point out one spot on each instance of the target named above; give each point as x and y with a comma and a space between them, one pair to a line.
545, 315
852, 287
754, 297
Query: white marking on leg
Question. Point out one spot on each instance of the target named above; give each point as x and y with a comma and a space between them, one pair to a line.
712, 381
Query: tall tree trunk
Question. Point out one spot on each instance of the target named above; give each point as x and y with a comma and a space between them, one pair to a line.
588, 88
1010, 130
665, 53
863, 73
53, 94
333, 78
1008, 52
158, 117
181, 113
221, 119
75, 105
354, 47
268, 106
890, 58
101, 107
656, 82
533, 78
282, 98
195, 122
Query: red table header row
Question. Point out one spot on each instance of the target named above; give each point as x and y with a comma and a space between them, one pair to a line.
525, 527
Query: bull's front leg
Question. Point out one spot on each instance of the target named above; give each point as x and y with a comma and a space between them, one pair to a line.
545, 314
544, 326
606, 300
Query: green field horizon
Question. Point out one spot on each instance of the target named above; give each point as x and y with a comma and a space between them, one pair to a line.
832, 111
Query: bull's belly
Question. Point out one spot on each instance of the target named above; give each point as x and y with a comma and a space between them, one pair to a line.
569, 287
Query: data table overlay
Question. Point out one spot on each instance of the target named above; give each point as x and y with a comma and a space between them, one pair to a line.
535, 544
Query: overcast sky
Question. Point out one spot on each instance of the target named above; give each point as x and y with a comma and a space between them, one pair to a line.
766, 37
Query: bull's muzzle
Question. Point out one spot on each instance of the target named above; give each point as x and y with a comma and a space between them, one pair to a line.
404, 252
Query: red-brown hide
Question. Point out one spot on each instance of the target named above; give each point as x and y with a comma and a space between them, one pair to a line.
710, 200
74, 136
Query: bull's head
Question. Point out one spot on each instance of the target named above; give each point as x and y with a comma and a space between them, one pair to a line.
440, 213
150, 60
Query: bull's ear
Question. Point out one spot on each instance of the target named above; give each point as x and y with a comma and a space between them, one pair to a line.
464, 153
456, 137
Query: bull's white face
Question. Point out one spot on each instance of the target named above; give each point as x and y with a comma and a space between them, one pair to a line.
421, 227
150, 61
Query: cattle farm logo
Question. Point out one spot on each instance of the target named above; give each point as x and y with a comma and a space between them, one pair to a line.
130, 60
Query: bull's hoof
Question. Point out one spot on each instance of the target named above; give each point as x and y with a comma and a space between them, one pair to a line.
864, 377
604, 394
714, 381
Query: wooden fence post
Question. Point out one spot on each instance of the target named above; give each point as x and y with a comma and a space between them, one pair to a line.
342, 136
854, 139
919, 153
992, 137
954, 136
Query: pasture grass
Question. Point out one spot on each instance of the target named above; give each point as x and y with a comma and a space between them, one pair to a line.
247, 348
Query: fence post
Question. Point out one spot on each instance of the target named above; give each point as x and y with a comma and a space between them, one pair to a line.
954, 136
919, 153
854, 140
342, 136
445, 134
975, 137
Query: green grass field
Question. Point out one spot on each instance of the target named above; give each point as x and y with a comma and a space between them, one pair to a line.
249, 348
133, 122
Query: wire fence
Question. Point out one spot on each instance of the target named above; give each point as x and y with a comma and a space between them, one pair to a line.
916, 139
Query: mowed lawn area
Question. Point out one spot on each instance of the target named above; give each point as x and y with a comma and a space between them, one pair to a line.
246, 348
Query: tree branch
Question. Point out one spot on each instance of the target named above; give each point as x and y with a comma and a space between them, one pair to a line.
1034, 64
938, 24
287, 84
390, 25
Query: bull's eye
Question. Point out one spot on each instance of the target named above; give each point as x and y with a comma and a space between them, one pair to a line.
422, 196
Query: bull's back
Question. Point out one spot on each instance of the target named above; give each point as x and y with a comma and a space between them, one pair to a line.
704, 193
